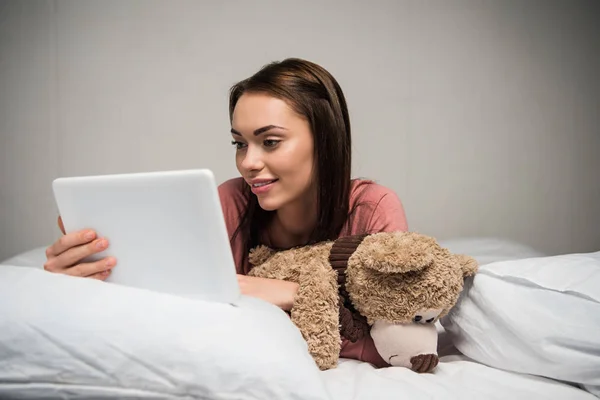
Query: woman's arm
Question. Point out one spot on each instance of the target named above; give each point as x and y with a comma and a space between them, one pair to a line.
277, 292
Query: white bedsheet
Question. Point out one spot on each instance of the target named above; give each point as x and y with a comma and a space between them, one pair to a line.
455, 378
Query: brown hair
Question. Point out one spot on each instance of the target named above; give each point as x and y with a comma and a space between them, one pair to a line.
313, 93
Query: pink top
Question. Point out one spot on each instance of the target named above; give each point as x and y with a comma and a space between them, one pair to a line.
379, 210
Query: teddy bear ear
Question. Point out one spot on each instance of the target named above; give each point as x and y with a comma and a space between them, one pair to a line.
396, 252
468, 264
260, 254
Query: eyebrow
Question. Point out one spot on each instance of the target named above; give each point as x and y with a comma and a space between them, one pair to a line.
259, 130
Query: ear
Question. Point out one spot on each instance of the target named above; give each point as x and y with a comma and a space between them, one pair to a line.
395, 252
259, 255
468, 264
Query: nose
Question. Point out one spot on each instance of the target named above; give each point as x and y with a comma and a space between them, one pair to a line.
252, 159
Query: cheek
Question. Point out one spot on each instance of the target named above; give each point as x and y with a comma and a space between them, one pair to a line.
297, 159
238, 161
298, 169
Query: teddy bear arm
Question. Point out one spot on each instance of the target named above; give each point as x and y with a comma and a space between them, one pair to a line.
353, 326
315, 312
260, 254
468, 264
277, 267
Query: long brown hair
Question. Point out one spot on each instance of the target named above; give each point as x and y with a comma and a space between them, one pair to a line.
312, 92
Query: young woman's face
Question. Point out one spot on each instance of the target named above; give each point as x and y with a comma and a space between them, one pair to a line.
274, 150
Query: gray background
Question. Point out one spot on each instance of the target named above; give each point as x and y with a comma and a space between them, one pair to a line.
482, 115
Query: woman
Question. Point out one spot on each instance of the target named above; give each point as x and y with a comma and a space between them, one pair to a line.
291, 132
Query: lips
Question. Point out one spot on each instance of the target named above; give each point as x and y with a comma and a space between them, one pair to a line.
261, 186
261, 182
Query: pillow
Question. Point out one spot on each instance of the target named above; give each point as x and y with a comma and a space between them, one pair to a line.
538, 316
35, 257
487, 250
72, 337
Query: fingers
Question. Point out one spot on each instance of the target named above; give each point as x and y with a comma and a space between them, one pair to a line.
73, 255
101, 275
68, 261
70, 240
98, 270
65, 254
78, 253
61, 226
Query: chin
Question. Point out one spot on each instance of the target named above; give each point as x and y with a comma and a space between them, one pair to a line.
268, 205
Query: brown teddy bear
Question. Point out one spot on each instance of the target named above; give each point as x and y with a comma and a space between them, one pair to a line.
395, 284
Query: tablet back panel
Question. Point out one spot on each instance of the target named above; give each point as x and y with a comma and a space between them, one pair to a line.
166, 229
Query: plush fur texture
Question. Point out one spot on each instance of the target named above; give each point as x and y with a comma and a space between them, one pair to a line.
394, 276
391, 253
389, 276
315, 310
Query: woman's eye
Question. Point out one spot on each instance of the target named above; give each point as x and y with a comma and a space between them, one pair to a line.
238, 145
271, 143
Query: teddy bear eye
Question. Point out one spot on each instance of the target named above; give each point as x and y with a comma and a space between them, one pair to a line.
430, 320
418, 318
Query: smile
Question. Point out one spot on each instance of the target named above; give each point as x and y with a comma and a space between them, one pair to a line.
262, 187
256, 185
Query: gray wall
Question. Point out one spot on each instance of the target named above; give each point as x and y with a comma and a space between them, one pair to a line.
482, 115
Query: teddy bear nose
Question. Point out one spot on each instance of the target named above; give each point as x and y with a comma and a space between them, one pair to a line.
419, 318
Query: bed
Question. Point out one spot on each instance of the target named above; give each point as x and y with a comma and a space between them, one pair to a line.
526, 327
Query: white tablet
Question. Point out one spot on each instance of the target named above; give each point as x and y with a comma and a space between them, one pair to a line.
166, 230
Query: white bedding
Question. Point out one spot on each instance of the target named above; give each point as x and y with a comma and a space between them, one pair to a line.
487, 250
538, 316
63, 336
457, 376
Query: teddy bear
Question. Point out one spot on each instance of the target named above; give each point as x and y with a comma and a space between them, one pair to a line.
391, 285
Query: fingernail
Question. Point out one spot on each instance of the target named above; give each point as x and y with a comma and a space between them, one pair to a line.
106, 272
101, 244
89, 235
110, 262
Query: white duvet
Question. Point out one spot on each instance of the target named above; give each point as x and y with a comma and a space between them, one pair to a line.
63, 337
455, 378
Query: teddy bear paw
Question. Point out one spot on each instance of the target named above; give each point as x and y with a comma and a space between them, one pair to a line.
424, 363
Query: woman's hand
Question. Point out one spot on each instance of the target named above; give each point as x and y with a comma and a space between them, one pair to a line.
277, 292
65, 255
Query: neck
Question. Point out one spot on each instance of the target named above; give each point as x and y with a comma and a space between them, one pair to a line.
293, 224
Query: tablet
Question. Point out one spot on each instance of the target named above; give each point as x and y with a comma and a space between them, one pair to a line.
166, 229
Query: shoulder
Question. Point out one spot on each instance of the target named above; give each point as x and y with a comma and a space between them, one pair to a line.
374, 208
364, 191
232, 186
231, 193
233, 201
